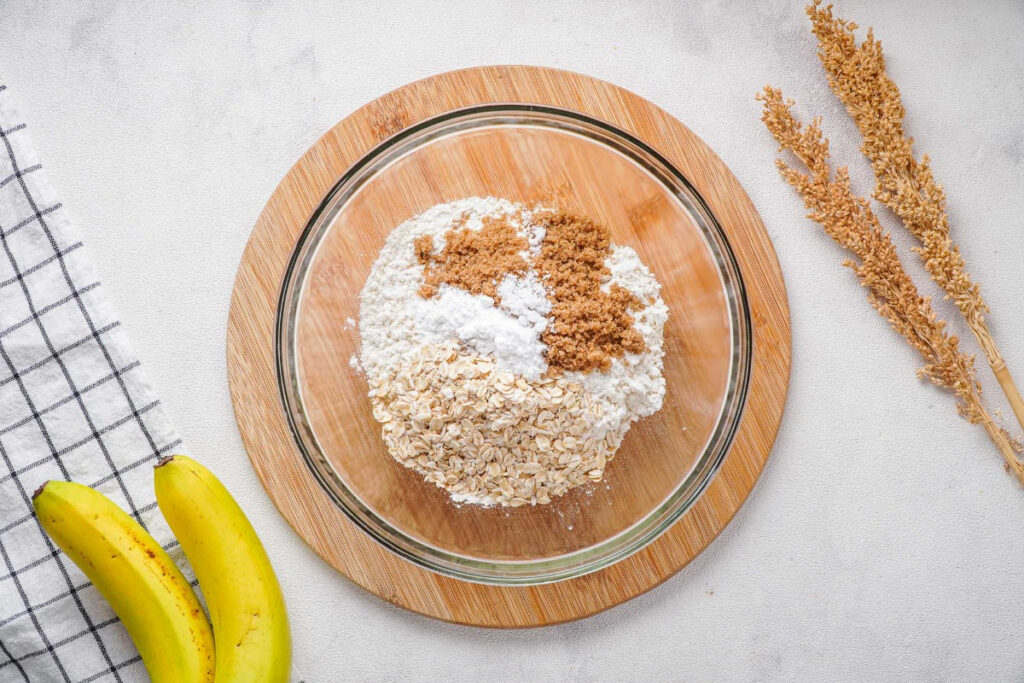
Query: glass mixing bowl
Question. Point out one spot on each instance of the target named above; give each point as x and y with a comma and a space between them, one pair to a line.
528, 154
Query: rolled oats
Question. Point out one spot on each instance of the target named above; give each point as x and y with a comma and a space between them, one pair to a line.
485, 435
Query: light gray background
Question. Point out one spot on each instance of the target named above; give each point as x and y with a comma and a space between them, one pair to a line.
883, 540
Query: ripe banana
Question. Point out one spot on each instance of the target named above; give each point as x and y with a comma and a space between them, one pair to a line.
250, 624
135, 575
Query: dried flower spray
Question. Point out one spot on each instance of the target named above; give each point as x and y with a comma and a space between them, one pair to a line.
857, 76
847, 218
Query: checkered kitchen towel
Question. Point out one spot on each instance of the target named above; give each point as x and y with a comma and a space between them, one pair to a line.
73, 405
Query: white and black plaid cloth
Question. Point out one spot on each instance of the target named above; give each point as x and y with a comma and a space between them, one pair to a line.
73, 405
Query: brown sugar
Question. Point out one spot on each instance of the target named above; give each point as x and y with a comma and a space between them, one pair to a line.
474, 260
589, 326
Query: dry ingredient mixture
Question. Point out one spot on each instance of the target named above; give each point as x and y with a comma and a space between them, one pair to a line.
508, 349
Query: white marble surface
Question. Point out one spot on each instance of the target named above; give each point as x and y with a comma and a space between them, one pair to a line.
883, 541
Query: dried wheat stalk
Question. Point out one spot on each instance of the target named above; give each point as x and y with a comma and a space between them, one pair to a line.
856, 74
848, 219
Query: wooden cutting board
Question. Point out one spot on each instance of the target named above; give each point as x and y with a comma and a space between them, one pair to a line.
252, 368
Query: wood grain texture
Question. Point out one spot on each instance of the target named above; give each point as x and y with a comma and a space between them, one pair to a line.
271, 446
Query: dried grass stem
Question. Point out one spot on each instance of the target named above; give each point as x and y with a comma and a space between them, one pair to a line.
857, 75
847, 218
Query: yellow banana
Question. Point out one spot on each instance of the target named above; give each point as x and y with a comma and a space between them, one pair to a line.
250, 624
135, 575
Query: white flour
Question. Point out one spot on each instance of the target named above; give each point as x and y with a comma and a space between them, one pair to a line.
395, 322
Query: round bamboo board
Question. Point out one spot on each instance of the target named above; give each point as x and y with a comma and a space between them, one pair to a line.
270, 444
